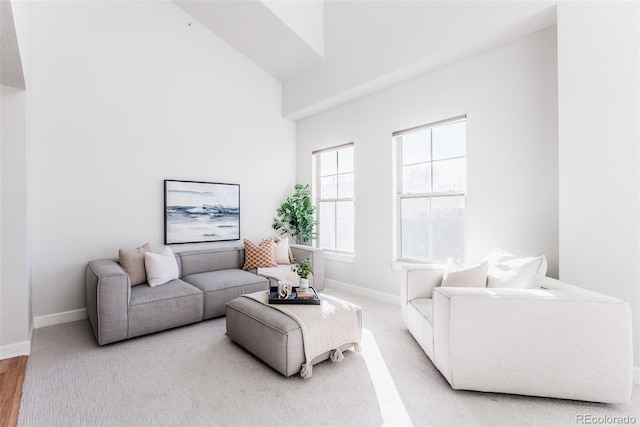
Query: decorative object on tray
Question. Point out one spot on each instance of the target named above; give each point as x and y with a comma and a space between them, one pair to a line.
305, 293
284, 289
197, 211
303, 269
308, 296
296, 215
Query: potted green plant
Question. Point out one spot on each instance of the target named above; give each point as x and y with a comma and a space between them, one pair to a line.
296, 215
302, 269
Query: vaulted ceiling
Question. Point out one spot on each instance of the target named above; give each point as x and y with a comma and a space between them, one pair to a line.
328, 52
282, 37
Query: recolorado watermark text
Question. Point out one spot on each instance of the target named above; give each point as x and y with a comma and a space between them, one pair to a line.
590, 419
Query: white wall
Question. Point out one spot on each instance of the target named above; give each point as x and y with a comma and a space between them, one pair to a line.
599, 149
510, 97
15, 291
15, 277
124, 95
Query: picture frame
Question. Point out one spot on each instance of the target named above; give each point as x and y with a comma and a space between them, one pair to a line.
198, 212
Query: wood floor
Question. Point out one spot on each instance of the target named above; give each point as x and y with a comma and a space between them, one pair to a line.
11, 378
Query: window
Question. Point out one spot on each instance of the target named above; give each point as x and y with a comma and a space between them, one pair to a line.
333, 193
431, 191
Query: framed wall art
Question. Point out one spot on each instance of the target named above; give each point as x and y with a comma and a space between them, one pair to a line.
196, 212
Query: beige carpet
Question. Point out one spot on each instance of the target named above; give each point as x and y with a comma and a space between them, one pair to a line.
195, 376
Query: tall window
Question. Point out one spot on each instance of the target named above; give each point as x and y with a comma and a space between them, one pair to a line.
333, 191
432, 175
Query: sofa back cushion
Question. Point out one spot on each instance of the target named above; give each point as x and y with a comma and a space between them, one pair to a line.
201, 261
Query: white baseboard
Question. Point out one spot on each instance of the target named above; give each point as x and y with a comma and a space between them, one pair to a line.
359, 290
636, 375
14, 350
58, 318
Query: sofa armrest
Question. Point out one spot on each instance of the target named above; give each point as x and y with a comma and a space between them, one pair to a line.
418, 281
555, 343
316, 255
108, 291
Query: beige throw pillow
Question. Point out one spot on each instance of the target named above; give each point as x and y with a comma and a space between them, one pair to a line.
161, 268
257, 256
132, 260
508, 271
456, 275
281, 251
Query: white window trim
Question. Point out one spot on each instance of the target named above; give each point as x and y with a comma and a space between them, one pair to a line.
400, 261
332, 254
422, 265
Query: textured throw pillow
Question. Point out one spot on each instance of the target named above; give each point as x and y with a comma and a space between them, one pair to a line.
161, 267
508, 271
257, 256
281, 251
132, 260
456, 275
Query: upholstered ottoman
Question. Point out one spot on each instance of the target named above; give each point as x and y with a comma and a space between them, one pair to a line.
271, 335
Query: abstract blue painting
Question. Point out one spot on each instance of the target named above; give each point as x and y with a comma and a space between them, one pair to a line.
196, 212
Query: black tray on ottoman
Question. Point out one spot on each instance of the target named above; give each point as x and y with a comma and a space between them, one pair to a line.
293, 299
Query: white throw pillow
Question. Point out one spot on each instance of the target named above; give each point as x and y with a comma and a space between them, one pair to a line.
161, 268
457, 275
508, 271
281, 251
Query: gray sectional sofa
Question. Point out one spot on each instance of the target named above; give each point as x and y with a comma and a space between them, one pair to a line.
208, 280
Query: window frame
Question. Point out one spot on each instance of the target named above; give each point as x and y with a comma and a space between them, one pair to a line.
399, 196
316, 194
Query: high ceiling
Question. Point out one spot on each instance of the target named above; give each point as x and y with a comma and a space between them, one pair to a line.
329, 52
276, 41
325, 53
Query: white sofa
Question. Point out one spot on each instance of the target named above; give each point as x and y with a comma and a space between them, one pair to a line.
559, 341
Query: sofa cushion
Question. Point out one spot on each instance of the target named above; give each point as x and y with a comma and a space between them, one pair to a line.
457, 275
256, 256
172, 289
132, 260
173, 304
222, 286
161, 268
424, 306
508, 271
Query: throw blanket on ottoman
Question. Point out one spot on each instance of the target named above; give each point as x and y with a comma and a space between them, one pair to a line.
324, 327
281, 273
